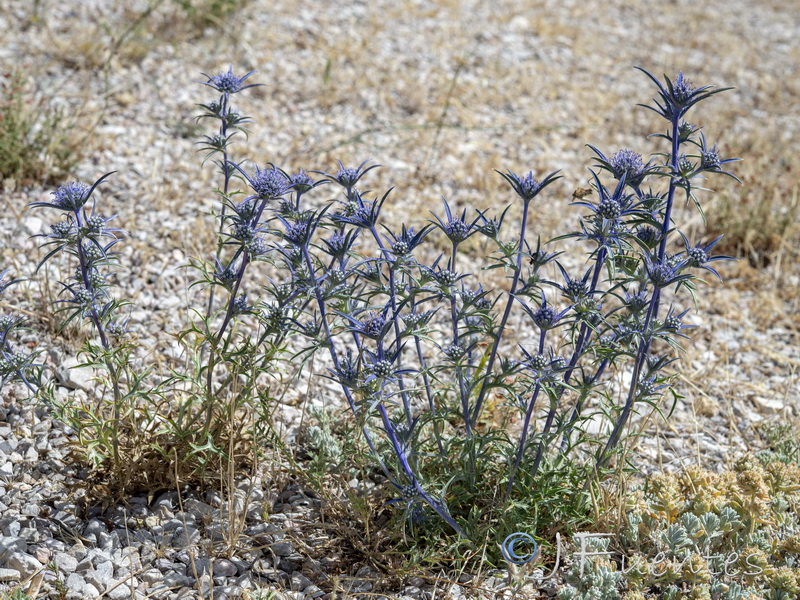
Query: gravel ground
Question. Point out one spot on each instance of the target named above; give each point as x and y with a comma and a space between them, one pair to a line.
440, 93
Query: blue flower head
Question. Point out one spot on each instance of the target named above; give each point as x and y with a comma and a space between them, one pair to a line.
71, 196
676, 98
527, 187
269, 184
711, 161
348, 177
456, 228
682, 89
301, 182
228, 83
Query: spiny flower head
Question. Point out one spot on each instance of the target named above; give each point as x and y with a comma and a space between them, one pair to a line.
637, 302
240, 305
71, 196
445, 277
663, 273
82, 296
415, 320
627, 163
62, 229
400, 248
682, 89
538, 362
243, 231
647, 387
225, 275
301, 182
710, 160
348, 177
373, 325
227, 82
7, 322
381, 368
673, 323
609, 208
256, 246
685, 130
455, 227
545, 317
94, 224
676, 98
269, 184
457, 230
14, 362
527, 187
92, 252
453, 352
348, 372
408, 493
245, 210
574, 289
649, 236
117, 328
698, 257
360, 212
297, 233
405, 243
338, 245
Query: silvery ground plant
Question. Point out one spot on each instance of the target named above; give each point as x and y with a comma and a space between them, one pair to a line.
477, 435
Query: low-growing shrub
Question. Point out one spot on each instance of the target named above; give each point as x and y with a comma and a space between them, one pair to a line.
36, 143
697, 534
416, 345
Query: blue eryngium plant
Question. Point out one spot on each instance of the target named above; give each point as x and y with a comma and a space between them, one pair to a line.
15, 365
417, 345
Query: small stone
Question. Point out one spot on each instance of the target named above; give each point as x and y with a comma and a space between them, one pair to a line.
121, 592
300, 582
198, 509
176, 580
9, 545
33, 225
24, 563
152, 521
79, 551
9, 575
282, 548
75, 583
65, 562
83, 566
9, 529
104, 573
186, 536
30, 510
43, 555
73, 377
151, 576
162, 564
769, 405
224, 568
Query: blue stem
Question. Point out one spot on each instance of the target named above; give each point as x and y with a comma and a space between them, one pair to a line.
498, 337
